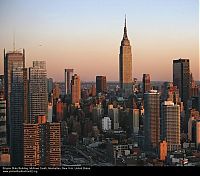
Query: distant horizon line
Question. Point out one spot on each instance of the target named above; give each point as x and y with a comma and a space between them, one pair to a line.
118, 81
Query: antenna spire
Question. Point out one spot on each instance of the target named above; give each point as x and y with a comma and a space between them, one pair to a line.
14, 41
125, 30
125, 20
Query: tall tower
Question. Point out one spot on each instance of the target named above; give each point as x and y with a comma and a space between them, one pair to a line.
170, 125
152, 119
2, 119
181, 78
125, 64
12, 60
76, 89
68, 78
38, 96
101, 85
17, 116
146, 83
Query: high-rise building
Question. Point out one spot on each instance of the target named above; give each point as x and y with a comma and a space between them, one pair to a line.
17, 116
25, 96
92, 91
163, 150
42, 143
50, 85
76, 89
54, 131
135, 120
194, 116
101, 85
146, 83
198, 134
38, 96
59, 110
181, 78
68, 78
2, 84
56, 92
106, 124
113, 113
170, 93
4, 156
125, 64
50, 111
97, 114
31, 145
12, 60
152, 119
170, 125
2, 119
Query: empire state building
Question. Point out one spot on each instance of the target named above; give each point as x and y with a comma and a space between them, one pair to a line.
125, 64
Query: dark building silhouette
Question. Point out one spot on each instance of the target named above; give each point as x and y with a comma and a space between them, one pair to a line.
146, 83
181, 78
101, 84
12, 60
68, 78
18, 111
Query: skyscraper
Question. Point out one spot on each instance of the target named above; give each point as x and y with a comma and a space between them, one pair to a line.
170, 92
125, 64
163, 150
181, 78
42, 143
76, 89
2, 119
106, 124
68, 78
146, 83
170, 125
12, 60
38, 96
17, 116
135, 118
2, 84
101, 85
198, 134
152, 119
50, 85
113, 113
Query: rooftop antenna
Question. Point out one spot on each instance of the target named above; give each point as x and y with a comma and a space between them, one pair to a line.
14, 41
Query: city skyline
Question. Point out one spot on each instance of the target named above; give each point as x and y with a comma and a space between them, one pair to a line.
79, 36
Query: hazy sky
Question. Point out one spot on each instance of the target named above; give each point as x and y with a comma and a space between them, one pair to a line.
85, 35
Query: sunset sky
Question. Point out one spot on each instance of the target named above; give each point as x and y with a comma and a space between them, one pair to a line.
85, 35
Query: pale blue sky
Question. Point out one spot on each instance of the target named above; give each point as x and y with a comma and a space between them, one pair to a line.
79, 33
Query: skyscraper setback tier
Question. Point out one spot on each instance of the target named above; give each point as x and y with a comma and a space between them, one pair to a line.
12, 60
125, 64
38, 96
